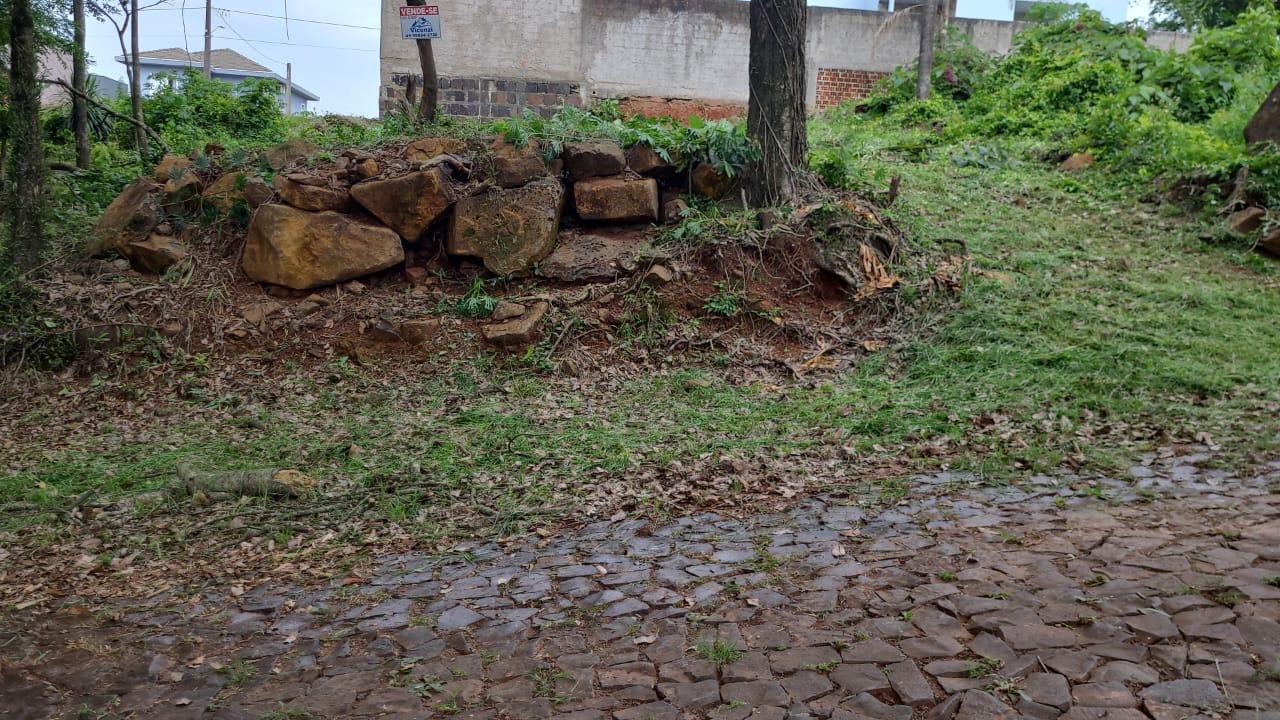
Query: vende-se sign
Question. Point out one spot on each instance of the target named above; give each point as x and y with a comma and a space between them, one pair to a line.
420, 22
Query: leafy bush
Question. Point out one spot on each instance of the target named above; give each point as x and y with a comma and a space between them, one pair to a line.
722, 143
190, 111
1079, 83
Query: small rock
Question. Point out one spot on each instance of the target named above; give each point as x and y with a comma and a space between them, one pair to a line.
427, 148
156, 254
417, 276
289, 151
674, 211
305, 193
1247, 220
517, 166
709, 182
518, 331
367, 168
658, 275
1076, 162
507, 310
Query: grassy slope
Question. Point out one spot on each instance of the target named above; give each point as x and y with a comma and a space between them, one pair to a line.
1103, 318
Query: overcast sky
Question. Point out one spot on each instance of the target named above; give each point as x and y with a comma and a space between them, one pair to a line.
333, 45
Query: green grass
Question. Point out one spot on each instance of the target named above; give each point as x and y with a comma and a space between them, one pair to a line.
1091, 322
718, 652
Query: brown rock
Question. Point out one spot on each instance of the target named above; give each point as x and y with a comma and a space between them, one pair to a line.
235, 187
1264, 126
519, 331
302, 250
183, 188
658, 275
311, 193
1246, 220
646, 161
674, 210
131, 216
583, 256
1077, 161
427, 148
156, 254
510, 230
516, 166
288, 152
407, 204
506, 311
709, 182
593, 158
417, 276
367, 168
617, 199
172, 166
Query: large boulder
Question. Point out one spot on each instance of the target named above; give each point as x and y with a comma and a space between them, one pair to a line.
184, 189
426, 148
409, 203
154, 255
308, 192
509, 230
1264, 126
617, 199
515, 166
236, 187
646, 161
593, 158
301, 250
289, 152
131, 216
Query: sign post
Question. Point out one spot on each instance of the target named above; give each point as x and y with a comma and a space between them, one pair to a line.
420, 22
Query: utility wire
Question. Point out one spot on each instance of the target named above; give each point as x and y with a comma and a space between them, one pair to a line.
286, 18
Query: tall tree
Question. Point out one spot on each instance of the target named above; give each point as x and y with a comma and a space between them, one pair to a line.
79, 80
430, 78
928, 30
26, 240
775, 108
123, 16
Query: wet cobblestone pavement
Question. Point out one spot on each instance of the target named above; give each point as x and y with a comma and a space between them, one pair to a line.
1157, 596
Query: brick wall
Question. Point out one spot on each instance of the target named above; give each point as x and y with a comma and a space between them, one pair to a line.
835, 85
487, 96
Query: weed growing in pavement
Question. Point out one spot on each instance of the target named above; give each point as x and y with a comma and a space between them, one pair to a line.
719, 652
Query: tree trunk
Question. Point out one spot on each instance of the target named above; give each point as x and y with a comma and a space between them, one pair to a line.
775, 109
26, 241
928, 25
135, 81
430, 78
79, 80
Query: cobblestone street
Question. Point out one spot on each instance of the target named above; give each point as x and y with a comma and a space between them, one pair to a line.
1155, 596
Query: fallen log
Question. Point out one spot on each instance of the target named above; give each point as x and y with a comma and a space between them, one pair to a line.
267, 482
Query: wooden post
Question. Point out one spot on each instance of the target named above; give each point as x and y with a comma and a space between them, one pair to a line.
288, 88
924, 80
208, 39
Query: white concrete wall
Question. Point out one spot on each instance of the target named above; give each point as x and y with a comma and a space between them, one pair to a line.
694, 49
494, 38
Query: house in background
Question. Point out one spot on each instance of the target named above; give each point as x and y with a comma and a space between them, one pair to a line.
228, 65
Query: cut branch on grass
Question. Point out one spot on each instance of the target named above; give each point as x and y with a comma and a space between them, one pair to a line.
267, 482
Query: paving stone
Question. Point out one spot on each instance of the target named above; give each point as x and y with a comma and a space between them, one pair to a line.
1188, 693
909, 683
649, 711
1104, 695
867, 705
872, 651
806, 685
1037, 637
860, 678
991, 647
980, 705
457, 618
1075, 665
691, 696
932, 647
1048, 689
1153, 627
788, 661
627, 675
751, 666
755, 693
1125, 672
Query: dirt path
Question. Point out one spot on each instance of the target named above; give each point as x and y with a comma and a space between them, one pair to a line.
1160, 599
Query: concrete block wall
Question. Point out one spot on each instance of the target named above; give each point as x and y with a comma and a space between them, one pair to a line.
528, 53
